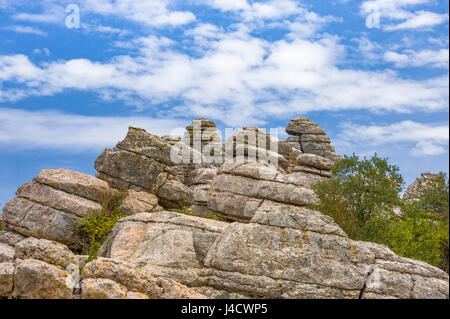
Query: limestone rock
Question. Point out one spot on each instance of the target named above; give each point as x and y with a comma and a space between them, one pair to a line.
315, 161
36, 220
142, 162
164, 243
35, 279
72, 182
239, 189
49, 251
292, 252
126, 275
139, 202
6, 279
10, 238
51, 205
310, 138
6, 253
59, 200
102, 289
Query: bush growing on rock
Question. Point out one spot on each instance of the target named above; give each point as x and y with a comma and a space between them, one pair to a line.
362, 198
99, 224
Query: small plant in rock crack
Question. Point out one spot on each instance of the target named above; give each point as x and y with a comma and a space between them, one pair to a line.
1, 225
97, 226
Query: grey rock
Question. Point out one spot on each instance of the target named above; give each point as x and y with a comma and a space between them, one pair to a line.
49, 251
6, 279
35, 279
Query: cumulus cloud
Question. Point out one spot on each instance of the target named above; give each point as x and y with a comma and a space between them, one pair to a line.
151, 13
401, 13
26, 29
21, 129
428, 139
432, 58
238, 77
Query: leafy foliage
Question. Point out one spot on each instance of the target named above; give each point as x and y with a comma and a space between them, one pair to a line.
99, 224
359, 190
362, 197
1, 225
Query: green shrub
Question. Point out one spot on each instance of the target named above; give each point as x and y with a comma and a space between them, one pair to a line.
361, 198
1, 225
96, 227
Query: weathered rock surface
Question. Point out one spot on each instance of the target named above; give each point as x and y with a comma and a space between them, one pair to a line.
72, 182
6, 279
278, 248
291, 252
419, 184
142, 162
310, 138
50, 206
240, 189
8, 240
35, 279
45, 250
164, 244
125, 277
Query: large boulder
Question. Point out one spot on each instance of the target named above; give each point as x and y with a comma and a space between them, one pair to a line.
36, 279
310, 138
166, 244
292, 252
240, 189
51, 205
142, 162
129, 282
8, 240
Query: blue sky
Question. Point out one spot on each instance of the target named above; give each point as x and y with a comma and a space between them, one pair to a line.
373, 74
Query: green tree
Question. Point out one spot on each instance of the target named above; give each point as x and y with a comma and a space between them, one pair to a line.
360, 190
363, 195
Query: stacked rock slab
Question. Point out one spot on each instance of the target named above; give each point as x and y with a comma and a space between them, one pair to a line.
255, 145
50, 206
164, 244
202, 136
142, 162
285, 252
44, 269
240, 189
310, 138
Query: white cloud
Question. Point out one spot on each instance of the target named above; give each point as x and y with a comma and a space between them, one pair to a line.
154, 13
20, 129
428, 139
53, 12
436, 59
238, 77
26, 29
401, 10
420, 20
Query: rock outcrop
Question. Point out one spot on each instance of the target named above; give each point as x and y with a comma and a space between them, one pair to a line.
240, 189
142, 162
274, 247
50, 206
413, 189
310, 138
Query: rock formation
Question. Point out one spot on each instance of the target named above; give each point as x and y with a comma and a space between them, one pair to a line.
412, 191
310, 138
269, 246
